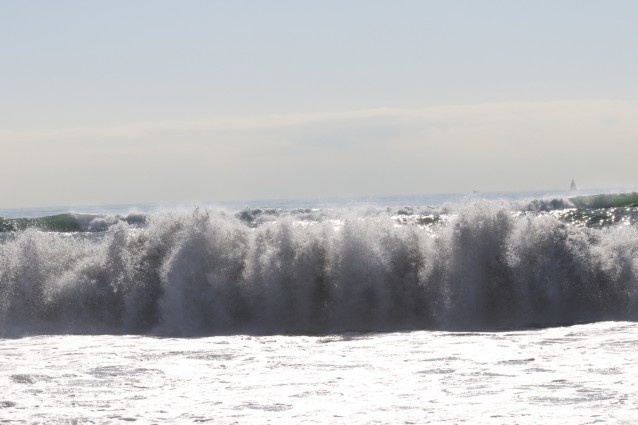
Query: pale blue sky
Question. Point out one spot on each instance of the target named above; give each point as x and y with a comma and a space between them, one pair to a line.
141, 101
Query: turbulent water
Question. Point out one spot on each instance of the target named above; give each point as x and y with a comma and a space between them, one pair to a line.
478, 288
579, 374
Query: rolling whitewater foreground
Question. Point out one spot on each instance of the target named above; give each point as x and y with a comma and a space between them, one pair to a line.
497, 311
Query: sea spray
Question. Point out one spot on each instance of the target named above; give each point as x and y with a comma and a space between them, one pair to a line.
210, 272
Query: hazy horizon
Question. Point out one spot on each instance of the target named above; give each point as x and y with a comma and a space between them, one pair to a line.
167, 102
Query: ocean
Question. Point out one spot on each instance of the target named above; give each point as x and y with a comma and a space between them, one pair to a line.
497, 308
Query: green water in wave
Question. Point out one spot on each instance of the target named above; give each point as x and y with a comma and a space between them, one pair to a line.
608, 200
54, 223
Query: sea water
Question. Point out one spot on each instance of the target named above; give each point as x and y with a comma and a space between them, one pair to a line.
482, 308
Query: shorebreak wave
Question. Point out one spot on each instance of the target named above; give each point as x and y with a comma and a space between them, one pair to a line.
210, 272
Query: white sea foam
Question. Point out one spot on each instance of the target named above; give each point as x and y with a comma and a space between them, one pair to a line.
578, 375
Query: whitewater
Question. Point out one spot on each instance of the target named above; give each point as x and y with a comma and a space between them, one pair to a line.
495, 308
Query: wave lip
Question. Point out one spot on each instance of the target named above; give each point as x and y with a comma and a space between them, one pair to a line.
69, 222
606, 200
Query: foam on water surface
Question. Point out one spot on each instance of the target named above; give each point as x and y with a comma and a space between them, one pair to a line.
578, 374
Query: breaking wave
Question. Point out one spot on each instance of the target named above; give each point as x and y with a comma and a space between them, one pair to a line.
209, 272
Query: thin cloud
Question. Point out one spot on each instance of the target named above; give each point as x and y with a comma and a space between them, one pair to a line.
488, 117
447, 148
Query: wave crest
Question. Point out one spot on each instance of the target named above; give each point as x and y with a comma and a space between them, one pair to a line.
210, 272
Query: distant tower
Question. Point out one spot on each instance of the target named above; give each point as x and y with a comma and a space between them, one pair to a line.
573, 186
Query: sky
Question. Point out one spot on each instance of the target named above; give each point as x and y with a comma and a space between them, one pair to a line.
108, 102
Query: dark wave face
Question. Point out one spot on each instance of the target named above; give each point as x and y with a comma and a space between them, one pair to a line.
478, 265
69, 222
